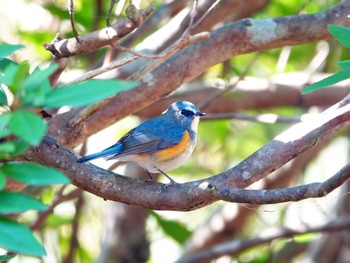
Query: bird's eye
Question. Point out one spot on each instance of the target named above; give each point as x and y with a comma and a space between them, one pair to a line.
186, 113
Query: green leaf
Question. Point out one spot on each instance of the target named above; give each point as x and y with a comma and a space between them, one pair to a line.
344, 64
335, 78
3, 97
5, 62
5, 258
6, 149
14, 75
305, 238
172, 228
16, 237
86, 92
55, 221
33, 174
8, 49
4, 120
17, 203
38, 76
37, 97
20, 76
2, 180
28, 126
340, 33
12, 148
20, 147
36, 86
8, 75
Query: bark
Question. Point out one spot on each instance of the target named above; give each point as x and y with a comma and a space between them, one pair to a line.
223, 186
232, 217
241, 37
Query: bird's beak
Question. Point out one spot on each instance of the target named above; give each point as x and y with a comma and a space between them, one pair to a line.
199, 113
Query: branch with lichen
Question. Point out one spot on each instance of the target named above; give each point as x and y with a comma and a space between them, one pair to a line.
240, 37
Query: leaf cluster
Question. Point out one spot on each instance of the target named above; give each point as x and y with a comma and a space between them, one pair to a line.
22, 93
342, 34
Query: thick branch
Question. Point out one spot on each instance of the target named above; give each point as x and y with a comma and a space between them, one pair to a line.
286, 146
232, 39
232, 217
296, 193
192, 195
256, 93
222, 12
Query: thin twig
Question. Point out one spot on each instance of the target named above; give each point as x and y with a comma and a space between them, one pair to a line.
185, 40
200, 20
93, 73
229, 88
72, 21
262, 118
193, 13
206, 103
59, 198
111, 6
74, 242
179, 44
141, 55
102, 37
238, 245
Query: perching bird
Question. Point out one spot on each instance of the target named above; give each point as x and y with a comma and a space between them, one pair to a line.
160, 144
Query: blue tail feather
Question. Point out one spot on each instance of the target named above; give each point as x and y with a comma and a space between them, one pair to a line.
109, 151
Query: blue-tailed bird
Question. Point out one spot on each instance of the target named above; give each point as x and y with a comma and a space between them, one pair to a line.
160, 144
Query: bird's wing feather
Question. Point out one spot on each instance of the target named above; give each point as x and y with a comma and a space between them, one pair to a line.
150, 138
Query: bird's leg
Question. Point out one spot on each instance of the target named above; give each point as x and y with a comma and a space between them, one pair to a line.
150, 175
167, 176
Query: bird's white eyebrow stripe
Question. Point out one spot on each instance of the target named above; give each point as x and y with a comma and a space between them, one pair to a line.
175, 107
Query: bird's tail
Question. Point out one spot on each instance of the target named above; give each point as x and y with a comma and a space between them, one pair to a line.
114, 149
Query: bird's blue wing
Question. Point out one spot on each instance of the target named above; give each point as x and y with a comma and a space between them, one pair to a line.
150, 137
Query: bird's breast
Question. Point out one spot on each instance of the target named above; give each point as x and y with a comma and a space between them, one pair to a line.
172, 157
176, 150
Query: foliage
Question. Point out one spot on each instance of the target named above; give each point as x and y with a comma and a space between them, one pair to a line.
342, 34
21, 128
172, 228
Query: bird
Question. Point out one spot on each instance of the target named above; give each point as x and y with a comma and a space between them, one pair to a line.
160, 144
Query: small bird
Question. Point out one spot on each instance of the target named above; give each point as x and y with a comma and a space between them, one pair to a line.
160, 144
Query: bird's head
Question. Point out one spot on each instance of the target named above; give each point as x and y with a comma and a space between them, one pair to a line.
186, 113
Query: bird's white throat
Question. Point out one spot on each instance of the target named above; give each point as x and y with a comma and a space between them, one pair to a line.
194, 124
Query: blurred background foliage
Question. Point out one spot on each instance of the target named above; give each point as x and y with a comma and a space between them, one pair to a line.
221, 143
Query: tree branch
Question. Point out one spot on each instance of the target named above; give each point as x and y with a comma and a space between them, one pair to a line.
238, 245
59, 198
232, 216
193, 195
221, 12
230, 40
100, 38
256, 93
160, 15
294, 194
